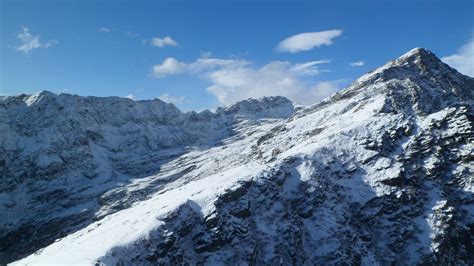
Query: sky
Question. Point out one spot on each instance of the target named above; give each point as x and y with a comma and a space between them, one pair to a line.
205, 54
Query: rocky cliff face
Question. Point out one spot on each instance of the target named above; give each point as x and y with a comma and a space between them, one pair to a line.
379, 173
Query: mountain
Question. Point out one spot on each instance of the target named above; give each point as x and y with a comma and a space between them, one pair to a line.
378, 173
66, 160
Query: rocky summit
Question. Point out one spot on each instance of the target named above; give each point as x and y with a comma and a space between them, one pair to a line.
380, 173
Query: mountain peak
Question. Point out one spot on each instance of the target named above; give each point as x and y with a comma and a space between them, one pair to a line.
417, 53
430, 84
419, 56
415, 63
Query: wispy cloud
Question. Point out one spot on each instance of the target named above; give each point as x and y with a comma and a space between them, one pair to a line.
127, 33
236, 79
357, 63
309, 68
166, 97
307, 41
463, 60
162, 42
103, 29
30, 41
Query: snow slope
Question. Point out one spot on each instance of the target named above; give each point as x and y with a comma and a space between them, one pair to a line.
379, 173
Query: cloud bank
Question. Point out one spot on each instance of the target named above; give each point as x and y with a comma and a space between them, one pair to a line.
307, 41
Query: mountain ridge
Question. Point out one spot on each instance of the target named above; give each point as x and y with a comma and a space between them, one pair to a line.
87, 139
30, 99
375, 174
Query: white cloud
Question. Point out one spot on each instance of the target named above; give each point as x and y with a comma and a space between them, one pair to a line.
30, 42
307, 41
275, 78
463, 60
357, 63
103, 29
170, 66
162, 42
165, 97
130, 96
235, 79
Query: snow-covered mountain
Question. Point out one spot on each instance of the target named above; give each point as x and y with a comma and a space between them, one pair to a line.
379, 173
65, 160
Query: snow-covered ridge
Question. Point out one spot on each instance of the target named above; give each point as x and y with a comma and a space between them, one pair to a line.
276, 106
73, 149
379, 173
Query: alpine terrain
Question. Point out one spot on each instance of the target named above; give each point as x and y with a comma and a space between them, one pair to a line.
379, 173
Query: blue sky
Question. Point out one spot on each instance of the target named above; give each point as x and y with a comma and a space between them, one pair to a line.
212, 53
